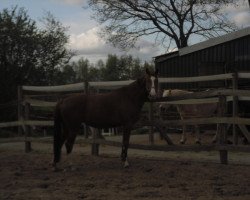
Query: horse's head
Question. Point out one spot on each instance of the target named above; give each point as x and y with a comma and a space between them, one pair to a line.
151, 83
167, 93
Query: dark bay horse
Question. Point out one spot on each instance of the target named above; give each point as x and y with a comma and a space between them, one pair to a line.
119, 108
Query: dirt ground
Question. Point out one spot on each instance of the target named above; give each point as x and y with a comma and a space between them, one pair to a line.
152, 175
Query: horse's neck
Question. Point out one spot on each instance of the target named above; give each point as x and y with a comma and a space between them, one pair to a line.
135, 93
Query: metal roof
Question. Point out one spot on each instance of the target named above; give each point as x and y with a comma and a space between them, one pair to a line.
206, 44
215, 41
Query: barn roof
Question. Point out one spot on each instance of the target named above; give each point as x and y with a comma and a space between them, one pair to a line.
206, 44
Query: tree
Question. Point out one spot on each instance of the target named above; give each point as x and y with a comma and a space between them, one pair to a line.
29, 55
68, 75
18, 36
111, 71
118, 68
86, 71
166, 20
53, 53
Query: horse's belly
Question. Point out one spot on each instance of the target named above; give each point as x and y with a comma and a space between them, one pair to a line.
110, 118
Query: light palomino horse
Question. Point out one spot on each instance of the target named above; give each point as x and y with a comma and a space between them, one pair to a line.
119, 108
189, 111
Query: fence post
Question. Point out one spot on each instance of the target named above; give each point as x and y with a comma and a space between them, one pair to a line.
151, 118
235, 108
86, 91
222, 129
19, 108
95, 146
27, 128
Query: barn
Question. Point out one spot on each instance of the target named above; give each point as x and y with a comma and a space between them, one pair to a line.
224, 54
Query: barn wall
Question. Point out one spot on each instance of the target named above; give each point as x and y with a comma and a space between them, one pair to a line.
223, 58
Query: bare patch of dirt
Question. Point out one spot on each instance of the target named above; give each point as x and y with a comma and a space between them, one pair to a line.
30, 176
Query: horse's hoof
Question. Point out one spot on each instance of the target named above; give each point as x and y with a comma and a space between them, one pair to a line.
126, 164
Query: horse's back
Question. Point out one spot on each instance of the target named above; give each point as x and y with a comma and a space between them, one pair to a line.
72, 110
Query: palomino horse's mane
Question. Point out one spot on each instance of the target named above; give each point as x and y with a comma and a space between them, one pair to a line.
175, 92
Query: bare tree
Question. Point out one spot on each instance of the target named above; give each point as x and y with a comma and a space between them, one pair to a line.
166, 21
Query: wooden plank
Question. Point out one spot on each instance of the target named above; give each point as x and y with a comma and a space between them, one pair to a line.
195, 79
205, 94
78, 86
10, 124
193, 101
39, 103
200, 121
203, 101
244, 75
194, 121
59, 88
117, 84
38, 123
178, 148
195, 148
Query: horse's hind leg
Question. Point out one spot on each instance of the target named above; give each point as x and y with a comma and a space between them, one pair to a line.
70, 140
125, 144
61, 142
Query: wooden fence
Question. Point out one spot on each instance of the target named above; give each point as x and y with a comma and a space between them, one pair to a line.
27, 97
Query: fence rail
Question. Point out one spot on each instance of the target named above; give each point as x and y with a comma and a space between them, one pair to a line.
212, 96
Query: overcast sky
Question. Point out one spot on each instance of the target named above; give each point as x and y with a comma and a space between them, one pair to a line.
83, 30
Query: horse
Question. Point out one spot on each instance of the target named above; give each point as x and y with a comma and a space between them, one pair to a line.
118, 108
189, 111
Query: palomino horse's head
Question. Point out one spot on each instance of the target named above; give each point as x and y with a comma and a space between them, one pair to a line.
151, 84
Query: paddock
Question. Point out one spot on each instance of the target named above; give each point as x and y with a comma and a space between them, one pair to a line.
159, 169
152, 175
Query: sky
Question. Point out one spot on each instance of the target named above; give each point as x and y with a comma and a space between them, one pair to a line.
83, 30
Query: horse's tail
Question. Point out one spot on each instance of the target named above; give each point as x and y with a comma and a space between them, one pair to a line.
57, 133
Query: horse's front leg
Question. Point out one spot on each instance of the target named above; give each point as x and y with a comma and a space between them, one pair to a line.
125, 144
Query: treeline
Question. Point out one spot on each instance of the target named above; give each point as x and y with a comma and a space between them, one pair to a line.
114, 68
